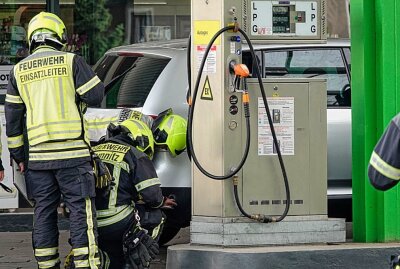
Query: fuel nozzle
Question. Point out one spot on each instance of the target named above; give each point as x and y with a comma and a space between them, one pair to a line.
239, 71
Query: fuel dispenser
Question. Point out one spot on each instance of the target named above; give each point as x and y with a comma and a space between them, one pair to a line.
268, 157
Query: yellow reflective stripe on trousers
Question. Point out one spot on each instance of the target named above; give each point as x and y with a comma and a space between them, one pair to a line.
114, 219
104, 213
90, 234
48, 264
81, 251
107, 261
15, 142
88, 85
44, 156
41, 252
85, 263
147, 183
384, 168
14, 99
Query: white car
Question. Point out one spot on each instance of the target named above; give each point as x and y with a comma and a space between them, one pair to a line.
152, 77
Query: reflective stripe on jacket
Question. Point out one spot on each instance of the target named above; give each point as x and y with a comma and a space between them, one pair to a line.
384, 164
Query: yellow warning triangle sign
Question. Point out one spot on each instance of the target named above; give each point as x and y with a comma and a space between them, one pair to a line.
206, 94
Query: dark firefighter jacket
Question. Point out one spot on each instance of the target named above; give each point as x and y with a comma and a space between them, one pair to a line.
135, 180
49, 87
384, 165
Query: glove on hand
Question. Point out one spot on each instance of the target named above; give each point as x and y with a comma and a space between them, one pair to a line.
151, 246
138, 249
101, 173
138, 258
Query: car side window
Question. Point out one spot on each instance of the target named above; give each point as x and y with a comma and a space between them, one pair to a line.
312, 62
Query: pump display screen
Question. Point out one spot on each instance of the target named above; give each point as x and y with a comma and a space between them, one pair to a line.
283, 19
280, 19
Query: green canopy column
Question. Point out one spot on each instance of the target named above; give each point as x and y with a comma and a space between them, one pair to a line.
375, 48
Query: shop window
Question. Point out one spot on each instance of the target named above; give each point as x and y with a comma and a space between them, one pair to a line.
14, 20
159, 22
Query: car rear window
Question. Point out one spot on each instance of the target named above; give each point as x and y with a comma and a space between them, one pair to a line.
103, 67
129, 79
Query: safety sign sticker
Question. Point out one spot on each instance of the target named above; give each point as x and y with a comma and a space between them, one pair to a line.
282, 113
210, 65
206, 94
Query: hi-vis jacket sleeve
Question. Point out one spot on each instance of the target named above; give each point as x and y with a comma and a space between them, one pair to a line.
88, 86
384, 165
147, 183
15, 110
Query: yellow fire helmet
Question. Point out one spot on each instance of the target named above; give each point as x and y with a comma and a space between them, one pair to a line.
170, 132
141, 135
46, 29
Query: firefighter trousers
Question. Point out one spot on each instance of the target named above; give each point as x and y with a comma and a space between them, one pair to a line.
77, 186
111, 240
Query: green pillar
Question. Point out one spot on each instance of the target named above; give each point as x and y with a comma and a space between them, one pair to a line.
375, 48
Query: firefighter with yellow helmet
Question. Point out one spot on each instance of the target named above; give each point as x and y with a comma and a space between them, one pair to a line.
169, 132
127, 151
46, 95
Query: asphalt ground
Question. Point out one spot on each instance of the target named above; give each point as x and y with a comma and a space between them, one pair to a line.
16, 249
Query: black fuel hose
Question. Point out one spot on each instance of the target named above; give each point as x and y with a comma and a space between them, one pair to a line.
239, 205
190, 119
256, 68
189, 90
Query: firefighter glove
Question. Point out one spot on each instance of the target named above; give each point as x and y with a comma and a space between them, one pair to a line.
101, 173
139, 248
151, 245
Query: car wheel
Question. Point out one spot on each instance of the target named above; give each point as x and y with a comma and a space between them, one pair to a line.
167, 234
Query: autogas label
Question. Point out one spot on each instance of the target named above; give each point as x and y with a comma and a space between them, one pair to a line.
204, 31
282, 113
292, 18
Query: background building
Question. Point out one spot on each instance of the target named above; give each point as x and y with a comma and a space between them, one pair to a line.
97, 25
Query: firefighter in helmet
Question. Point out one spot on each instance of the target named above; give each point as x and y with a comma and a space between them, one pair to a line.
127, 151
169, 131
46, 94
